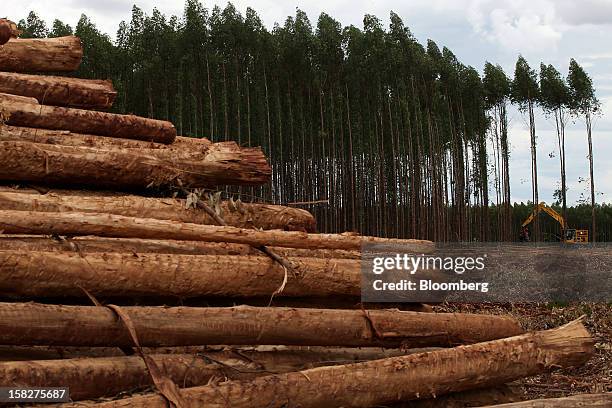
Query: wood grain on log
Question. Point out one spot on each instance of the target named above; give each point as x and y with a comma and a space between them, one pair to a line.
60, 91
117, 226
237, 214
132, 169
39, 324
41, 54
87, 121
389, 380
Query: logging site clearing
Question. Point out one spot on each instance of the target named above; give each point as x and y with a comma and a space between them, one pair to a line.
195, 224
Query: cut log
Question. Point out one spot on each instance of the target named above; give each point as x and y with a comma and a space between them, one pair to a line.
109, 376
601, 400
237, 214
39, 324
41, 54
389, 380
86, 121
15, 99
132, 169
66, 138
49, 274
108, 225
8, 30
22, 243
60, 91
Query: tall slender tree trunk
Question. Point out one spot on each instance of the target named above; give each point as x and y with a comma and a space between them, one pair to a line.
590, 140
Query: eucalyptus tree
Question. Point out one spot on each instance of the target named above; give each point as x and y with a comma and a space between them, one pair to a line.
60, 29
496, 92
526, 93
33, 26
555, 99
584, 102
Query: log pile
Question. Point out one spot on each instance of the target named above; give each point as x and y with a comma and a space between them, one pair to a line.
125, 261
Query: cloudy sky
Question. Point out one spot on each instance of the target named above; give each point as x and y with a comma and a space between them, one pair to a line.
476, 31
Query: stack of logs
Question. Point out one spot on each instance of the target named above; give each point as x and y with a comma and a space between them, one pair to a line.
137, 294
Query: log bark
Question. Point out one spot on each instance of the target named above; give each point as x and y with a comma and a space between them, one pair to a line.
89, 122
50, 274
60, 91
132, 169
601, 400
117, 226
393, 379
38, 324
243, 215
90, 378
41, 54
66, 138
22, 243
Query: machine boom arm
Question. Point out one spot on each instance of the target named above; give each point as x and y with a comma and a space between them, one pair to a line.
543, 207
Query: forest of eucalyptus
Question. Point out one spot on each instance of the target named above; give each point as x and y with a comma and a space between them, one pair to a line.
376, 132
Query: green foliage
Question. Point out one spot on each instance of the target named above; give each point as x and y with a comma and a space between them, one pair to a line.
524, 87
554, 93
60, 29
33, 27
582, 93
496, 85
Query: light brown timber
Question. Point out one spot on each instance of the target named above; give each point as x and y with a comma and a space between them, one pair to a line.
385, 381
87, 244
50, 274
117, 226
237, 214
88, 121
131, 169
67, 138
40, 324
41, 54
60, 91
90, 378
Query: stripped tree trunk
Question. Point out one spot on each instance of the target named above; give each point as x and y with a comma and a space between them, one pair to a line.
393, 379
129, 169
86, 121
41, 54
603, 400
38, 324
108, 225
22, 243
48, 274
108, 376
471, 398
60, 91
66, 138
237, 214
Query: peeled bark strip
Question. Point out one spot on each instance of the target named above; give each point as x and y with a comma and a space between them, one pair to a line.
41, 54
60, 91
129, 169
22, 243
90, 378
91, 122
38, 324
48, 274
244, 215
108, 225
602, 400
394, 379
67, 138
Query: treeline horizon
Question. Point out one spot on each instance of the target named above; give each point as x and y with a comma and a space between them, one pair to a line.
381, 134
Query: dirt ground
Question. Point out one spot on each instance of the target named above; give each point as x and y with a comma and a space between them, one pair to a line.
595, 376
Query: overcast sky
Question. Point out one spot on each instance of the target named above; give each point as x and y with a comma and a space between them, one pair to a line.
476, 31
